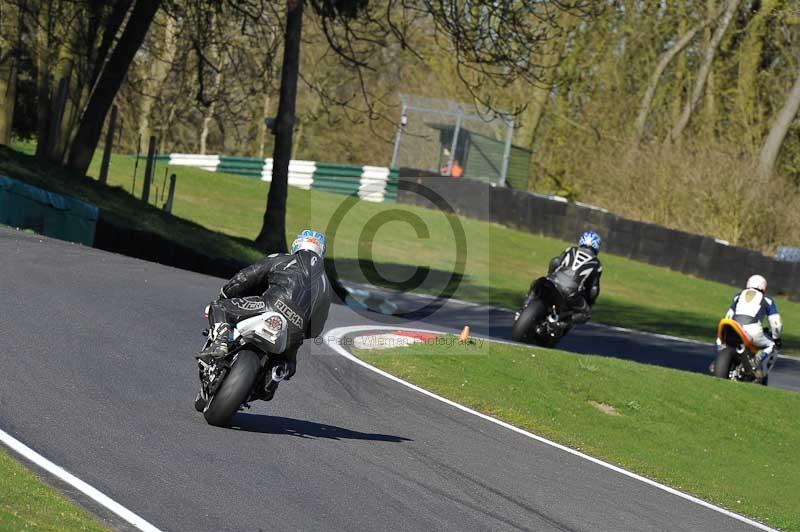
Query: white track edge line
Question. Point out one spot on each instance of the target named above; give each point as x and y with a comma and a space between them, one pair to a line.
62, 474
339, 332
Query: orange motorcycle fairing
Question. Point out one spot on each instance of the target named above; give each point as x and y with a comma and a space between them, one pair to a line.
727, 324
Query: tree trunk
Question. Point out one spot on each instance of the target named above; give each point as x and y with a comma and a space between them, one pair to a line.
777, 133
108, 84
710, 101
748, 108
272, 237
681, 72
705, 68
112, 25
553, 51
207, 118
262, 131
66, 68
663, 63
166, 126
159, 70
8, 92
43, 104
209, 114
9, 68
96, 57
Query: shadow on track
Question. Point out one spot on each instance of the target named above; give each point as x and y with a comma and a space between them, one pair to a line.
304, 429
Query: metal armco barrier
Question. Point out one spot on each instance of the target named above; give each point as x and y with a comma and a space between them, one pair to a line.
696, 255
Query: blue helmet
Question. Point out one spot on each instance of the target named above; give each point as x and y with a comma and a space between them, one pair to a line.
311, 241
590, 239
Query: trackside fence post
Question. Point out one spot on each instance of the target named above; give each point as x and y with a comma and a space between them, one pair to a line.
148, 169
112, 124
170, 194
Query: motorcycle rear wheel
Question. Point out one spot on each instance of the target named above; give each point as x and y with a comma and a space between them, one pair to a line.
722, 364
234, 390
530, 316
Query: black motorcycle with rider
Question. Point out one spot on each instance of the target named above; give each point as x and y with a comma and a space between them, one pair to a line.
257, 325
564, 297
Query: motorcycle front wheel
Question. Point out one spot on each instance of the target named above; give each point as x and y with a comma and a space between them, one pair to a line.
530, 316
234, 390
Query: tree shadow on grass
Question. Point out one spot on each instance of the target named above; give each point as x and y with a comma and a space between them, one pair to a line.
304, 429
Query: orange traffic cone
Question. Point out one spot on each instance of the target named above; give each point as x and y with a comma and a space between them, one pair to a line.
464, 336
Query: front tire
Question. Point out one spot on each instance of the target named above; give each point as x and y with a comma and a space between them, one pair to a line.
527, 320
547, 341
722, 364
234, 390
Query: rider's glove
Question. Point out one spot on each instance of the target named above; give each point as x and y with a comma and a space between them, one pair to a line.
778, 342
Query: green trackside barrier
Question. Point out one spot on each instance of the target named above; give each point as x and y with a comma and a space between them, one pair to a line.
390, 194
342, 170
47, 213
246, 166
338, 184
242, 171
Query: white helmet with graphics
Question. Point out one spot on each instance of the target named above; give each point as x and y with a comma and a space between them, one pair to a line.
758, 282
311, 241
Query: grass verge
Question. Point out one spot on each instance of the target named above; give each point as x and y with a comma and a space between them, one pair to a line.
729, 443
221, 214
26, 503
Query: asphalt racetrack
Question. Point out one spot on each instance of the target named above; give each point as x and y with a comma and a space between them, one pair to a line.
98, 376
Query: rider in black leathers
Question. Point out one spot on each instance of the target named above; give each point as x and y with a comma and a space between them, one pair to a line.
293, 284
581, 264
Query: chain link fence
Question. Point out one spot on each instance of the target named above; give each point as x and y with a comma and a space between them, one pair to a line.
443, 137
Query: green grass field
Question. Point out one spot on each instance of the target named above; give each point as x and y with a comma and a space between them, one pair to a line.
26, 503
500, 262
733, 444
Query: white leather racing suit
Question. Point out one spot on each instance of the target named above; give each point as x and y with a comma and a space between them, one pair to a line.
749, 308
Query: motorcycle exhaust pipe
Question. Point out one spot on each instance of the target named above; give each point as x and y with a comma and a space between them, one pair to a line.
278, 373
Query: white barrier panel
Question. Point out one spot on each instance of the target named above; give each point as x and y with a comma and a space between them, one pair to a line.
301, 173
204, 162
373, 183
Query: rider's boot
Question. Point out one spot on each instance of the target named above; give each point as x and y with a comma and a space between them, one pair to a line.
218, 348
582, 314
269, 390
581, 317
764, 362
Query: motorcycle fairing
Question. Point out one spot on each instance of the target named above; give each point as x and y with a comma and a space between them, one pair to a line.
727, 325
258, 330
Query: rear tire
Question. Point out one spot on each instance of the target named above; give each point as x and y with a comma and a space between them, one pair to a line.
527, 320
722, 364
234, 390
